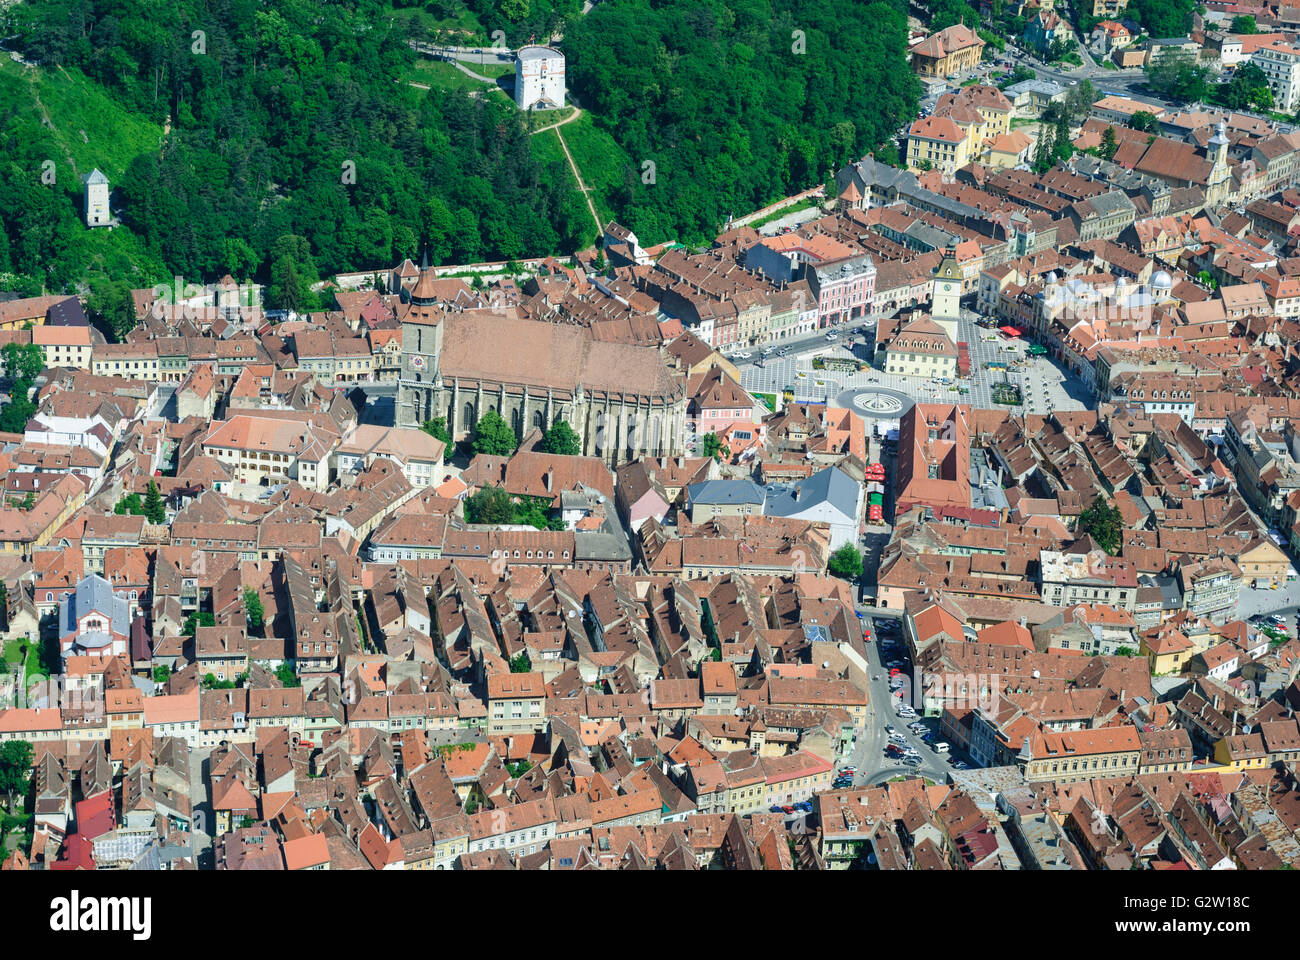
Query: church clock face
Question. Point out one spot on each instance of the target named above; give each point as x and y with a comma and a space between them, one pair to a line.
947, 288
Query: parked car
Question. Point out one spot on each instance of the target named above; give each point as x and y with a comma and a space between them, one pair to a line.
960, 765
774, 809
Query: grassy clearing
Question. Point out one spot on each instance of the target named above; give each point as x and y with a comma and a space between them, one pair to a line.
601, 160
443, 75
12, 651
547, 149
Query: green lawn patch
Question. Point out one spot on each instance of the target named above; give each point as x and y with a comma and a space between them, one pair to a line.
601, 160
768, 400
443, 75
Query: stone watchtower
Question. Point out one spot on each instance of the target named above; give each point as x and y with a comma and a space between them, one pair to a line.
97, 213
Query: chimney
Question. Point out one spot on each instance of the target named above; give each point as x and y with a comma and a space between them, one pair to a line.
1234, 721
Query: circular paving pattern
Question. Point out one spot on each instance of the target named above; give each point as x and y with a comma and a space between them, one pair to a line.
880, 404
877, 403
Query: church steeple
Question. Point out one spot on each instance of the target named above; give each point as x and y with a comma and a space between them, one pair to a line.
425, 293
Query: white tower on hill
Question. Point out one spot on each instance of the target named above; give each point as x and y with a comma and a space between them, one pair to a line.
97, 214
539, 78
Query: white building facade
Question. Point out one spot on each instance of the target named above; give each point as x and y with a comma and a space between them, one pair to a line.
539, 78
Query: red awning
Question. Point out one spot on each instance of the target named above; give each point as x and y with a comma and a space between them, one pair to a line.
1011, 331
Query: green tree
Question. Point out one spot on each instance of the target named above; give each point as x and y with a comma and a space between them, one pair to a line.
1247, 89
29, 500
1105, 523
846, 563
287, 676
1062, 147
1177, 75
129, 504
1108, 144
1020, 74
154, 509
437, 428
1163, 18
1244, 24
710, 445
491, 504
1044, 150
561, 439
1143, 120
238, 258
111, 307
199, 618
162, 673
521, 664
23, 362
15, 768
493, 436
253, 608
210, 682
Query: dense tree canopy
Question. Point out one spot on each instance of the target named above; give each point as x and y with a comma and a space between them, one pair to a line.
1106, 524
493, 436
846, 563
295, 147
15, 769
1163, 18
722, 106
287, 120
1178, 75
562, 439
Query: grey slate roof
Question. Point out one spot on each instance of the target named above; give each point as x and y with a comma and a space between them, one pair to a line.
1108, 203
831, 485
725, 492
94, 593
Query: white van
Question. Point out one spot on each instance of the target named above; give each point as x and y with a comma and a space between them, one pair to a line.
941, 747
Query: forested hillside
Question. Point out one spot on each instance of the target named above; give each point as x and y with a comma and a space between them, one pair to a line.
286, 120
736, 102
294, 147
